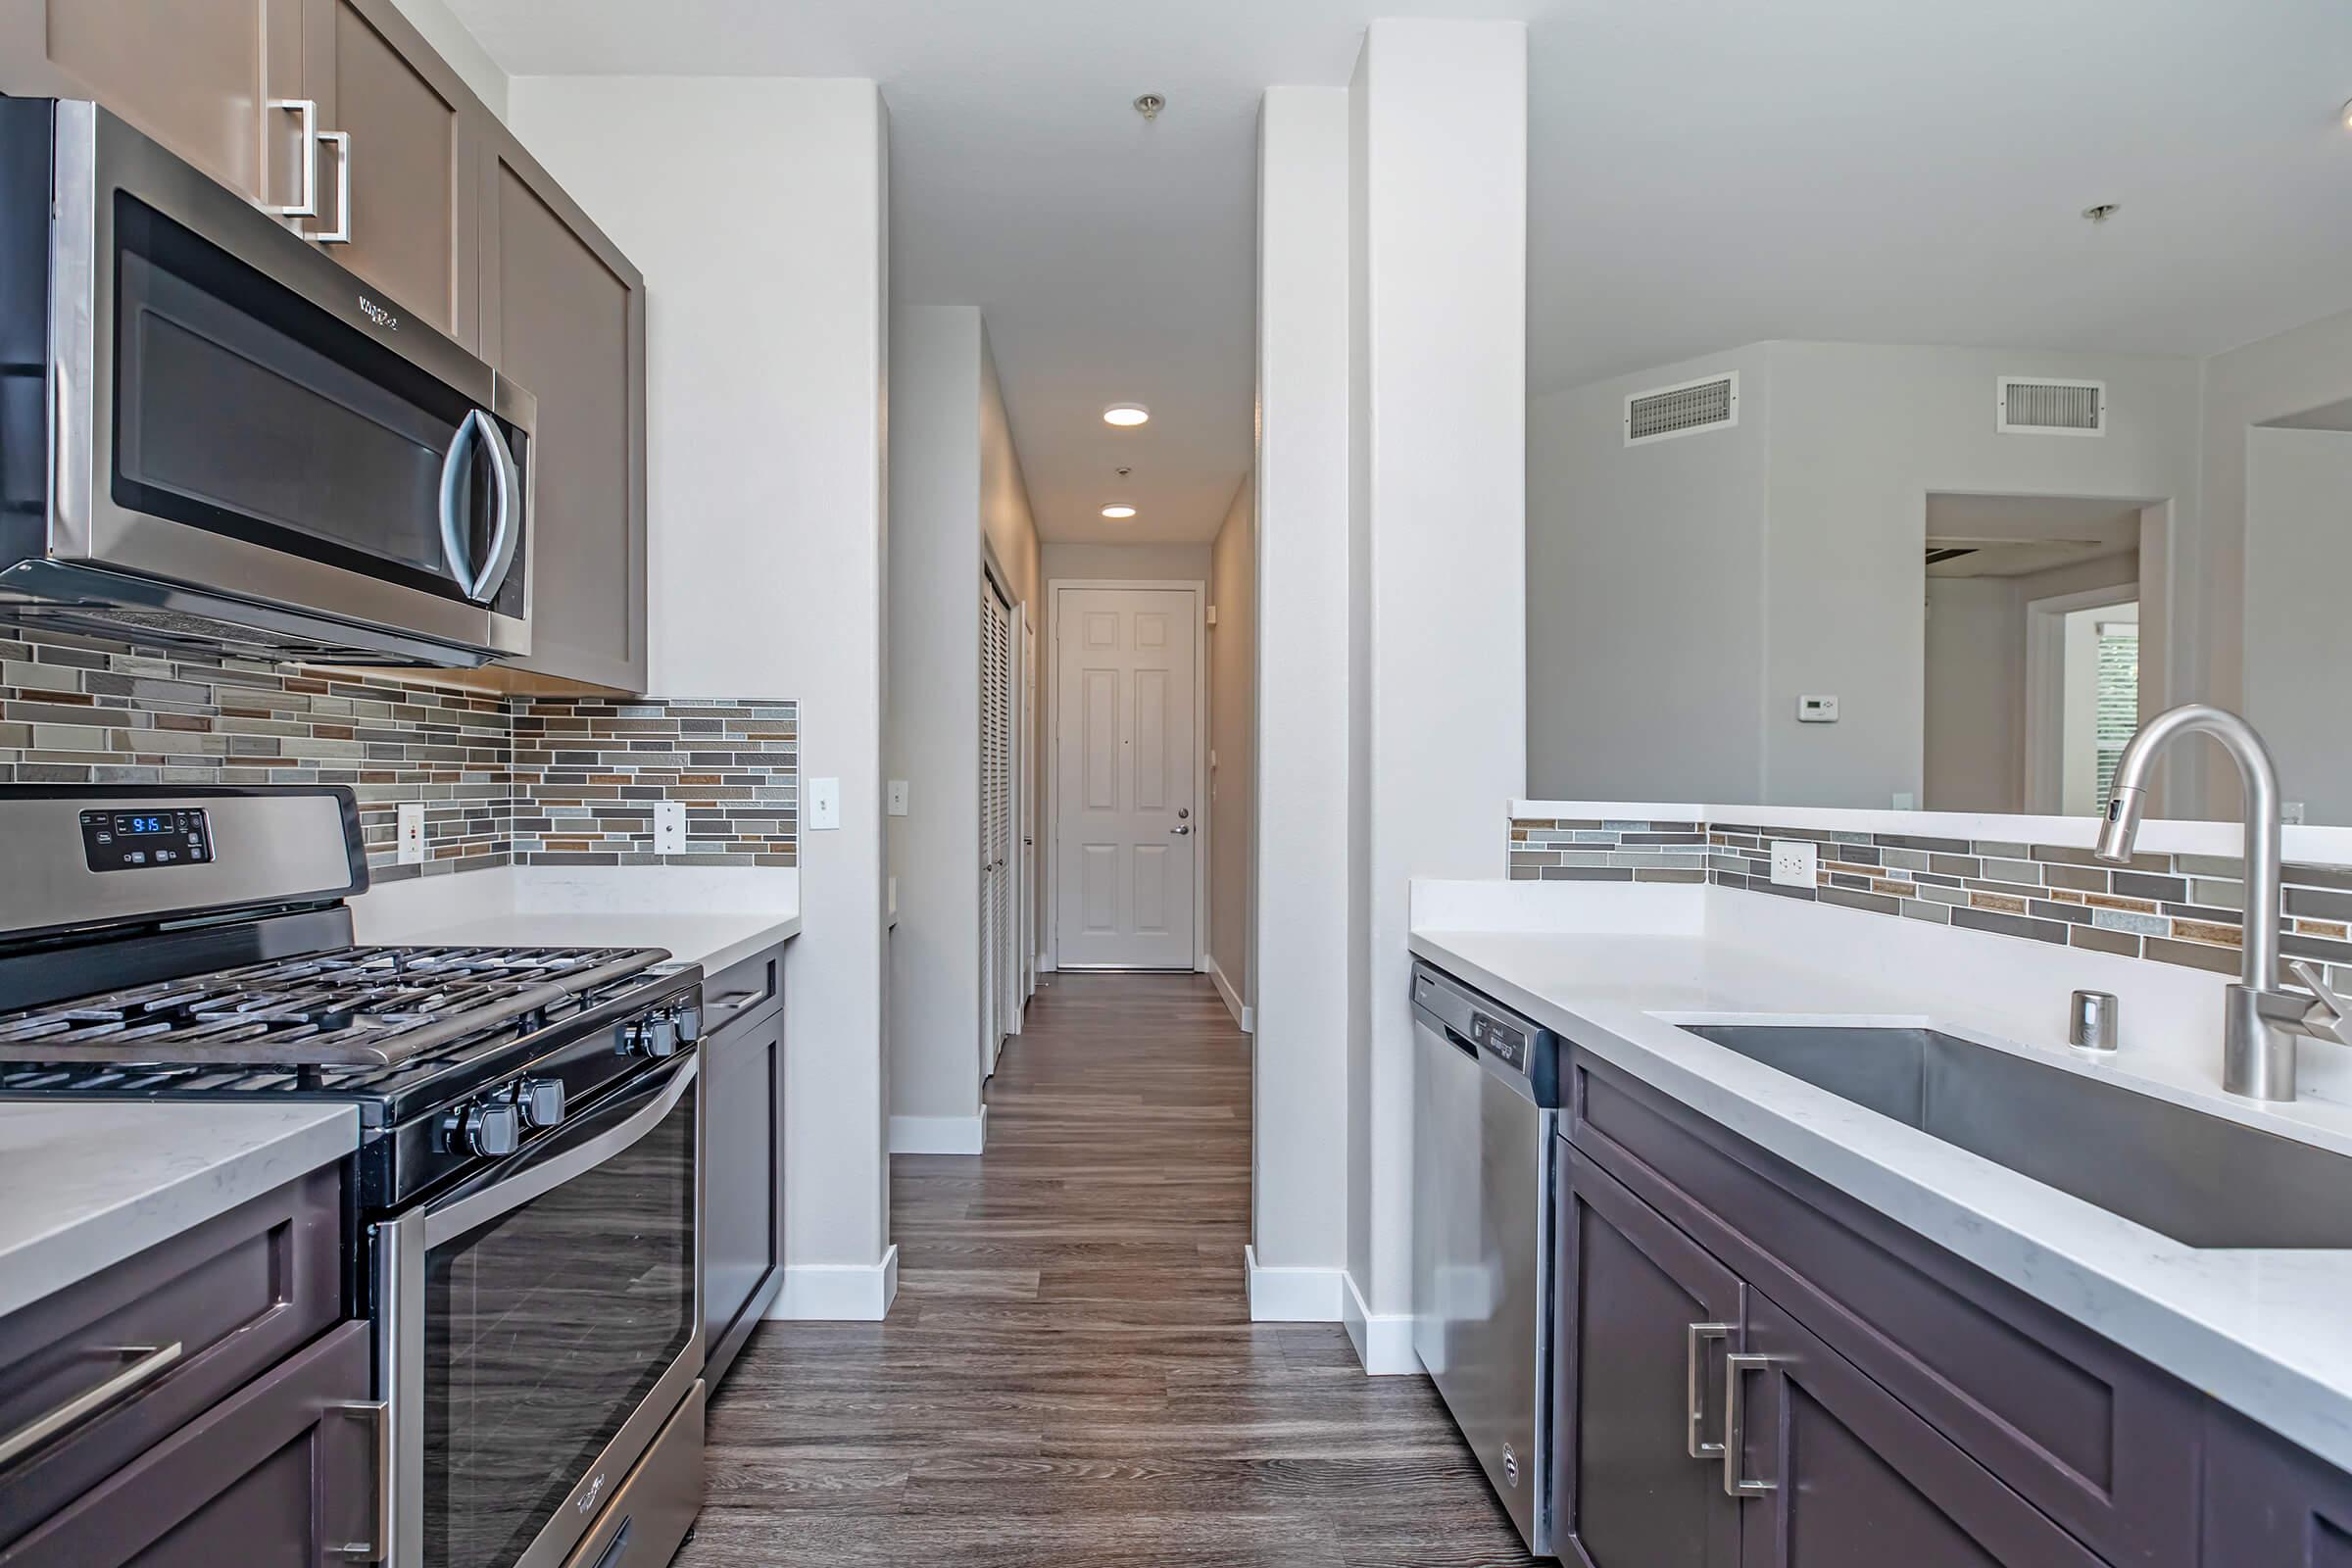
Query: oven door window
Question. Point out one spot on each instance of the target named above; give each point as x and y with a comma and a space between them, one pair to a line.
544, 1330
242, 408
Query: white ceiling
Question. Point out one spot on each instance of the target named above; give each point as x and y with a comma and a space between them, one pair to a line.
1703, 173
2009, 536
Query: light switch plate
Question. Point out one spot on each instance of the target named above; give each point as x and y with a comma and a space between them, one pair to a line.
1796, 863
669, 827
412, 832
898, 796
1906, 801
1817, 709
825, 805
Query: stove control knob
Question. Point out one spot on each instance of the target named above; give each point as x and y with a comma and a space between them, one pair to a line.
689, 1016
540, 1100
656, 1035
493, 1131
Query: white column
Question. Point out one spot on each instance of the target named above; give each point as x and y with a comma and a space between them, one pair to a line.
1298, 1229
1438, 428
765, 372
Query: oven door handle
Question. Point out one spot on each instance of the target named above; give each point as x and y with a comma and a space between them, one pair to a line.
570, 1153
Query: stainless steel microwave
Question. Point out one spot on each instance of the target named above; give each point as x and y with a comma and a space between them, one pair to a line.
211, 435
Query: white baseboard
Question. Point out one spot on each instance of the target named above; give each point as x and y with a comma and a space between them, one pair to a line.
1383, 1342
839, 1293
1293, 1295
1243, 1014
939, 1134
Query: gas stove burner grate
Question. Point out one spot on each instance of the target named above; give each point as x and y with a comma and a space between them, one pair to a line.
357, 1007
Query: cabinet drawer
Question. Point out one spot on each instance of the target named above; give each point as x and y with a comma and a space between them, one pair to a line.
2269, 1503
284, 1473
743, 993
236, 1295
2098, 1438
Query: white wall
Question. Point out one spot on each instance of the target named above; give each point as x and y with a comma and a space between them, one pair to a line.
2298, 639
2281, 377
1645, 595
1856, 437
1231, 814
1299, 1116
934, 742
1440, 417
1063, 559
766, 469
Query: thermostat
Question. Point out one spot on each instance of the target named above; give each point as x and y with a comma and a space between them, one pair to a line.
1817, 709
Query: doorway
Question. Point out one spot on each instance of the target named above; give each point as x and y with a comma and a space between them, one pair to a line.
1125, 775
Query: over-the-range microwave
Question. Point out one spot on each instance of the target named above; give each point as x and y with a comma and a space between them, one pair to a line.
213, 435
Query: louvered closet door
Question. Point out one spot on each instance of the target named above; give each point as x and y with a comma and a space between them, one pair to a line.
996, 818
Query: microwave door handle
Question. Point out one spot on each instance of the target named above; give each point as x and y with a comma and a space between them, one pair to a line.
507, 482
453, 471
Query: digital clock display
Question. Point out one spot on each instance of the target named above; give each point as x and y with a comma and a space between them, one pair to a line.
135, 841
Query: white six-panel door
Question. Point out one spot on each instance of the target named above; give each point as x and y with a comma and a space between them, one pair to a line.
1126, 824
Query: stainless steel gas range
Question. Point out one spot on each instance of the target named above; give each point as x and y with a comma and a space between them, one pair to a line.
528, 1184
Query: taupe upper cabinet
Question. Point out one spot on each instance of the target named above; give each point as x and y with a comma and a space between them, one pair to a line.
340, 107
198, 75
402, 130
564, 313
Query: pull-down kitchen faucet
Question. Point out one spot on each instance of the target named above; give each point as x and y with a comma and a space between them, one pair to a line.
2260, 1021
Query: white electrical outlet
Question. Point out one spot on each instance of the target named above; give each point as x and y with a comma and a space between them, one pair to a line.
412, 832
669, 827
898, 796
1796, 863
1906, 801
825, 805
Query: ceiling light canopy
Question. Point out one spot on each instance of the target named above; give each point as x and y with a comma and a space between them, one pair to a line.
1126, 413
1118, 509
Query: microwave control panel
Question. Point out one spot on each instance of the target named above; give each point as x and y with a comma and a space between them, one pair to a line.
141, 841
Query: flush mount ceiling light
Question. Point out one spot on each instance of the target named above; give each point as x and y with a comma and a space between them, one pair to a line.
1126, 413
1118, 510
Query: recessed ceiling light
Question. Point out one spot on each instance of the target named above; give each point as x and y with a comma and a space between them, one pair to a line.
2347, 116
1118, 509
1126, 413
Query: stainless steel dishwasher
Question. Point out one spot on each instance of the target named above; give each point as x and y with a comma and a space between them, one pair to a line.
1487, 1094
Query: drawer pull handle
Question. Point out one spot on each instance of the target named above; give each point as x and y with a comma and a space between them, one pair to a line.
148, 1362
1694, 1386
377, 1413
1735, 1424
734, 1001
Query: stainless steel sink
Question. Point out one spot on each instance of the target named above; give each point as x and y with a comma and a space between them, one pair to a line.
2202, 1180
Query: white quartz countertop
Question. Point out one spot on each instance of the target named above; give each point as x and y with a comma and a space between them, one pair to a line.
712, 940
85, 1184
2264, 1332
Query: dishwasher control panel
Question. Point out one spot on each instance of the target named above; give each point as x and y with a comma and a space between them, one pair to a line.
1506, 1042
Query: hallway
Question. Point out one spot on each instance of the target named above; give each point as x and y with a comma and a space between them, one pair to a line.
1069, 1376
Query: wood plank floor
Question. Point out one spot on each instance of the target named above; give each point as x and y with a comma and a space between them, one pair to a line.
1069, 1376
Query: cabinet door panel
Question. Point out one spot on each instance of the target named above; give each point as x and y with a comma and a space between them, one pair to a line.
564, 317
1634, 1291
743, 1189
2270, 1505
411, 179
281, 1474
1860, 1481
195, 75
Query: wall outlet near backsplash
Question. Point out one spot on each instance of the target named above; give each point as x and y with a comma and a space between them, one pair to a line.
410, 833
1796, 863
669, 827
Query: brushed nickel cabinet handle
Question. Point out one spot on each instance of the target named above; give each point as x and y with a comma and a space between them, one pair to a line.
340, 234
1694, 1388
377, 1413
1735, 1424
148, 1362
305, 114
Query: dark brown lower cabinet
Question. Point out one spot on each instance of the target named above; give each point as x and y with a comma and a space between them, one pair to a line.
1651, 1318
281, 1474
743, 1158
2268, 1505
1840, 1474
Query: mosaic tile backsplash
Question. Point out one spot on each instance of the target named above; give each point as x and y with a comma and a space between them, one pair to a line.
499, 777
2173, 908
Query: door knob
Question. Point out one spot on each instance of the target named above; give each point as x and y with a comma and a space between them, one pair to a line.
1181, 831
